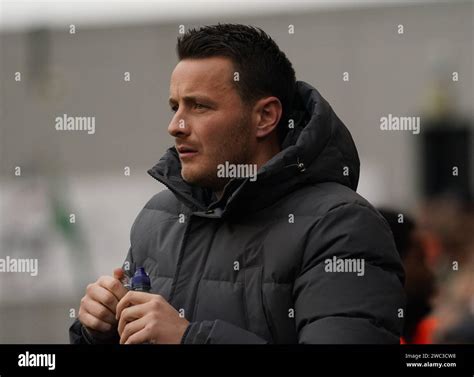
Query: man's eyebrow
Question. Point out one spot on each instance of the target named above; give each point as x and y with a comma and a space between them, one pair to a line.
193, 98
171, 101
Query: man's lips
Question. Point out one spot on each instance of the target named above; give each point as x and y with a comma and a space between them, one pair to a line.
186, 151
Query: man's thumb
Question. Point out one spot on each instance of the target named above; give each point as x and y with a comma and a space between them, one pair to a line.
118, 273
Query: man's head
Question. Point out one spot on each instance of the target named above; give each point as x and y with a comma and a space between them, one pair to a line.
231, 92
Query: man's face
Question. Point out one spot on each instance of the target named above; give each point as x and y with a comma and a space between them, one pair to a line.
210, 119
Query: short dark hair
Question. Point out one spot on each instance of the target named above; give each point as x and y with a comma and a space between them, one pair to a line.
264, 70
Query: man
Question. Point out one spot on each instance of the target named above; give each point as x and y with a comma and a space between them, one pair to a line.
289, 255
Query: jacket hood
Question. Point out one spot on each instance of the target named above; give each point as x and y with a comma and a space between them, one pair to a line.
318, 149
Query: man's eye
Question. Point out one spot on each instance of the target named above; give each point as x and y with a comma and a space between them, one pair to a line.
199, 106
174, 109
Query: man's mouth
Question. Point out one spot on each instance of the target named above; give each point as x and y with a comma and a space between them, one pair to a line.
186, 151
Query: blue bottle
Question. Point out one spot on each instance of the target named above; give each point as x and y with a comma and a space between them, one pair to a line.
141, 281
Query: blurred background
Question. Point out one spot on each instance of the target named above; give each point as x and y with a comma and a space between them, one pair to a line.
113, 60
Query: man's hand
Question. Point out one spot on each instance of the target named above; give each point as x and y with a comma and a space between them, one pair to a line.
97, 310
148, 318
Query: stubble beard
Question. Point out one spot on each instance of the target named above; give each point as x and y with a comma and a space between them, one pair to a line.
234, 149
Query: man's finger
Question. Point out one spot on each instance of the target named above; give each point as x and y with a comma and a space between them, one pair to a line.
131, 314
104, 296
113, 285
94, 323
131, 328
132, 298
100, 311
139, 337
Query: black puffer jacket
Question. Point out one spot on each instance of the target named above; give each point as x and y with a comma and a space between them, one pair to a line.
252, 267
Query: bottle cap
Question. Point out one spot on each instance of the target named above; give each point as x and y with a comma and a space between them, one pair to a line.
141, 280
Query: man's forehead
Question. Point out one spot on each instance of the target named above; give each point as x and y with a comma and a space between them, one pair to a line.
207, 76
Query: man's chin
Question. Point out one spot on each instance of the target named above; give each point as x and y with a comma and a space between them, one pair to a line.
192, 177
199, 178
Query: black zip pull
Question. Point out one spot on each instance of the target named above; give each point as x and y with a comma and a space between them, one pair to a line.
299, 165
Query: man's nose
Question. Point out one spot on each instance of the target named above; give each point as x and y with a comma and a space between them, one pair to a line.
178, 126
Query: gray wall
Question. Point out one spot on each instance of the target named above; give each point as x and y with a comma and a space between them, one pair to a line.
389, 73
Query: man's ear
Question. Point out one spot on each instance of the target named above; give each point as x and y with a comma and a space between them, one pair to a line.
269, 111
